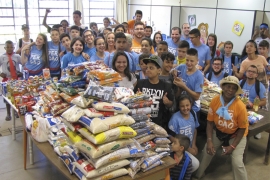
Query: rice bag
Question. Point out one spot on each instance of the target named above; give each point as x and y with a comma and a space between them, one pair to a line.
148, 145
102, 124
72, 126
101, 92
149, 153
158, 150
115, 107
73, 136
138, 125
52, 121
132, 173
68, 162
73, 114
90, 172
162, 146
82, 101
140, 104
95, 151
79, 174
145, 130
158, 129
119, 154
135, 164
146, 138
73, 152
92, 112
146, 110
162, 141
121, 92
58, 109
140, 117
113, 174
120, 132
157, 163
39, 130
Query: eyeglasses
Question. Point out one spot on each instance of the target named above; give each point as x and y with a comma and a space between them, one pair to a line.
216, 64
139, 29
249, 71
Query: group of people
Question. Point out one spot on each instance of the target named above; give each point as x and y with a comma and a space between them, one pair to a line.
172, 72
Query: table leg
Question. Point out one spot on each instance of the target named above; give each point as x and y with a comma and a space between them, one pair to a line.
31, 157
13, 124
24, 148
266, 159
246, 151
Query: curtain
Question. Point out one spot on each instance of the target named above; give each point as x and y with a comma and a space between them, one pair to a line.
78, 5
121, 11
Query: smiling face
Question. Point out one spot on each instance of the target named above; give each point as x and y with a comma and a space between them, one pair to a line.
88, 37
186, 29
158, 38
40, 41
191, 62
167, 65
175, 36
66, 42
138, 18
100, 46
217, 66
77, 47
106, 23
139, 31
152, 71
121, 64
185, 106
110, 39
161, 48
229, 90
145, 47
9, 48
211, 41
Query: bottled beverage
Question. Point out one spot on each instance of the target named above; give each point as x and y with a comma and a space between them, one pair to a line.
256, 104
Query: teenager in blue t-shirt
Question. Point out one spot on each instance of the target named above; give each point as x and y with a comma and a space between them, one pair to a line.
54, 49
100, 50
227, 58
189, 79
120, 41
89, 47
35, 56
75, 57
174, 40
203, 50
216, 73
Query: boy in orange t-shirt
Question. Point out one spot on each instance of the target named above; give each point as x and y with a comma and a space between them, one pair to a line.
131, 23
227, 125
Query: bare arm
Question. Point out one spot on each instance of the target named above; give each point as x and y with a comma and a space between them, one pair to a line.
239, 75
262, 102
179, 82
207, 66
209, 132
237, 139
25, 53
193, 149
44, 22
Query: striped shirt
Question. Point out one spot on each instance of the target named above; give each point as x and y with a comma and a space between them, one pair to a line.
176, 170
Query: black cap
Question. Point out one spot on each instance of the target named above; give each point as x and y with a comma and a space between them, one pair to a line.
25, 26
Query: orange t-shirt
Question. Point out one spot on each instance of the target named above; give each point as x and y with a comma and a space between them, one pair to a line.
136, 47
238, 112
131, 24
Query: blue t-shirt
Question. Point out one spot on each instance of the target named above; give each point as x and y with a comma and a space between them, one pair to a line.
228, 64
70, 58
89, 51
194, 82
94, 57
172, 47
266, 69
35, 64
180, 125
108, 61
203, 53
250, 91
54, 59
214, 78
186, 39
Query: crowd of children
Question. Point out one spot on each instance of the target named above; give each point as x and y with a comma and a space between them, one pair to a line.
172, 72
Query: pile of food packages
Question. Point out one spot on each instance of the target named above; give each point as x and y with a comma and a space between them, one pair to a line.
98, 130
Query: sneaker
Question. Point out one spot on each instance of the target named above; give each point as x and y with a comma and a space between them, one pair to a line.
8, 118
258, 136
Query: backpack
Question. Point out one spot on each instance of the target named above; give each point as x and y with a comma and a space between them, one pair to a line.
257, 86
20, 42
232, 58
211, 72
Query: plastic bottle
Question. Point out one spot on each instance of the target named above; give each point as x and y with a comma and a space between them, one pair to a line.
256, 104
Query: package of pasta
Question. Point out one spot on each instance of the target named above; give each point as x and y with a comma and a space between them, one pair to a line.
72, 126
136, 97
148, 145
90, 172
105, 74
158, 130
73, 136
121, 92
146, 110
68, 162
67, 98
101, 92
78, 70
114, 107
138, 125
140, 117
162, 141
151, 160
135, 164
73, 114
96, 151
121, 132
73, 152
82, 101
78, 84
141, 131
111, 80
102, 124
158, 150
112, 174
69, 90
139, 104
146, 138
92, 113
51, 95
157, 163
132, 173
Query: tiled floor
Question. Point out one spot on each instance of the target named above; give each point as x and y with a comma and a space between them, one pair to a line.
11, 162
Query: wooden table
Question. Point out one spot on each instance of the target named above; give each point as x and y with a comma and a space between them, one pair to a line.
260, 126
45, 147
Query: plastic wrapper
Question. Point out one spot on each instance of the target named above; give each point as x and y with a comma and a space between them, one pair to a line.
145, 130
39, 130
78, 70
162, 146
73, 153
140, 104
110, 135
100, 92
79, 174
150, 153
70, 79
72, 126
140, 117
136, 97
158, 129
78, 84
157, 163
92, 113
132, 173
69, 91
73, 114
67, 98
151, 160
148, 145
112, 174
158, 150
28, 121
138, 125
98, 125
162, 141
135, 164
51, 121
122, 92
146, 110
146, 138
68, 162
105, 74
114, 107
58, 109
82, 101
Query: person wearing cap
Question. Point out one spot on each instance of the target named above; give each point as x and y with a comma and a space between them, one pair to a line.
227, 126
261, 33
23, 41
158, 90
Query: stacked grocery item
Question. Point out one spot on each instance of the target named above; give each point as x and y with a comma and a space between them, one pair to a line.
210, 90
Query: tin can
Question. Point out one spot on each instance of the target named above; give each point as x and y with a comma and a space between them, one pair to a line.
18, 100
25, 74
46, 74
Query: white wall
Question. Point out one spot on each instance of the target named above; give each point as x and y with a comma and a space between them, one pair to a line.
267, 5
266, 18
242, 4
199, 3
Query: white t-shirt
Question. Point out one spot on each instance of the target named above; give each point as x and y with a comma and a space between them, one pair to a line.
23, 44
126, 83
259, 39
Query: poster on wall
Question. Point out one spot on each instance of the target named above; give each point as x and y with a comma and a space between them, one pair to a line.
192, 20
238, 28
203, 27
